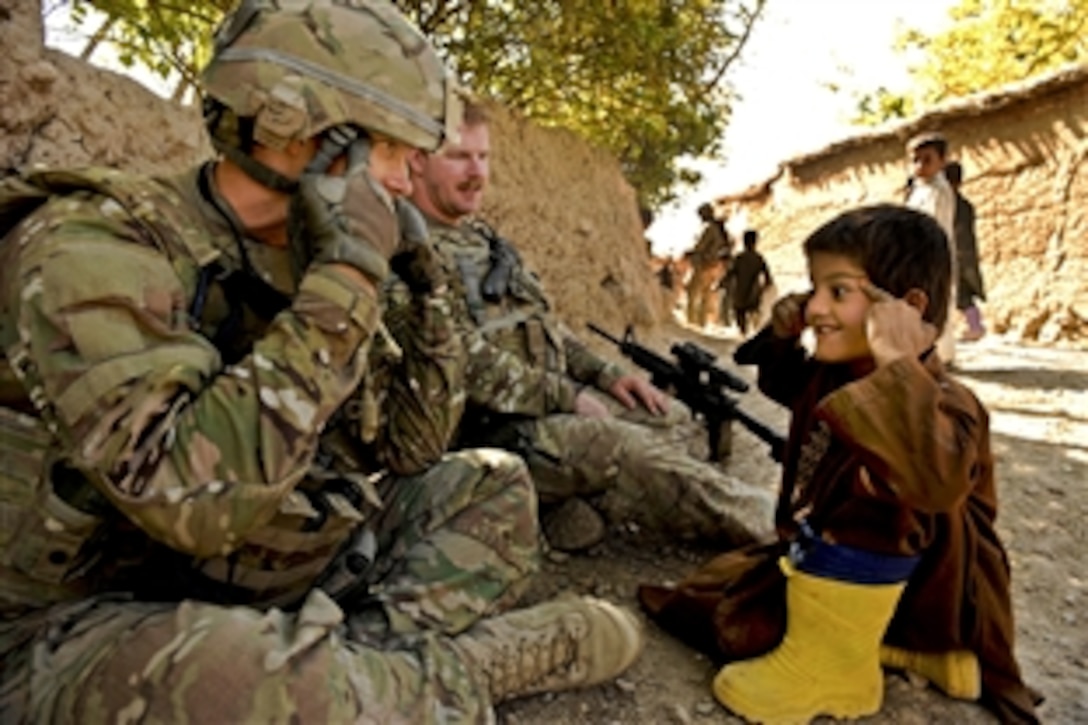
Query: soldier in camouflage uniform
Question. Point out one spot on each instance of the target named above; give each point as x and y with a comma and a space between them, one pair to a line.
709, 263
197, 400
529, 380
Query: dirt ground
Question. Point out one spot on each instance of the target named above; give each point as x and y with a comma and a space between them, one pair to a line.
1038, 398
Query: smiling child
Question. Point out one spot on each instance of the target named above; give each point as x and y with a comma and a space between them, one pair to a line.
887, 550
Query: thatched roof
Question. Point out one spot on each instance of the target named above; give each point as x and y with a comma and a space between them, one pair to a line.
977, 105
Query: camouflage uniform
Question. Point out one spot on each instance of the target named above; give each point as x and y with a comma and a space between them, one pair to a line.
709, 262
193, 431
215, 465
524, 371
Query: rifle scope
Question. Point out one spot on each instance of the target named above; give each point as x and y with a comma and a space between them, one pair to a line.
698, 360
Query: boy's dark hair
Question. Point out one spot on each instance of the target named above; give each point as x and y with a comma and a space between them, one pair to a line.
751, 236
899, 248
929, 140
706, 212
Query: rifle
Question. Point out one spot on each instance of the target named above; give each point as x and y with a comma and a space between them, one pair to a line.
695, 379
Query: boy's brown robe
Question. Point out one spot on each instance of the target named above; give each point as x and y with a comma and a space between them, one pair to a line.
897, 462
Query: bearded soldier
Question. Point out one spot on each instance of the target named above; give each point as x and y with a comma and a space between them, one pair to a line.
197, 399
585, 426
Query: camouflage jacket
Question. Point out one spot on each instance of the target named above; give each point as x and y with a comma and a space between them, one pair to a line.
251, 471
521, 358
713, 245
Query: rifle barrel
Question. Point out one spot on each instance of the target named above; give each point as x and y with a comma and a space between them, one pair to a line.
761, 431
604, 334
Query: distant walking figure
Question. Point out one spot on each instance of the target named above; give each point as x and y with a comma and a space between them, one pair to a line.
747, 278
969, 285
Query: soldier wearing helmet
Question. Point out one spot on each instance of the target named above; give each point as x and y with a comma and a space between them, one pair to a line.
223, 490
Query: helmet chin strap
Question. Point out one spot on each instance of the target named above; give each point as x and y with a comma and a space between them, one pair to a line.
227, 136
335, 142
264, 175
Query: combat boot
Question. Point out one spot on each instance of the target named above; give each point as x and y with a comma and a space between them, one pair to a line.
559, 645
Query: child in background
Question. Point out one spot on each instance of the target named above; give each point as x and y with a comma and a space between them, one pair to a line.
928, 190
887, 550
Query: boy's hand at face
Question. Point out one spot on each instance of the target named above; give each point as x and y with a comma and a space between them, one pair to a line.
894, 328
788, 315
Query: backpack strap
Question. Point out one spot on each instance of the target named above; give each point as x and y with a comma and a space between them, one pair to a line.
158, 210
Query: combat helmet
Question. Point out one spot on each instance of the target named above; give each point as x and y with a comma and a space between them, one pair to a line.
293, 69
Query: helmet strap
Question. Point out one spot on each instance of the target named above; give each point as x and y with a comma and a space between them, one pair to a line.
233, 138
262, 174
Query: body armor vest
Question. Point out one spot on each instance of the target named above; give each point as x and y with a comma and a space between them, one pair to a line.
60, 539
514, 318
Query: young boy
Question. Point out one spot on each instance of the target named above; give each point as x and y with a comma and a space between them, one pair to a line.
886, 512
748, 277
929, 191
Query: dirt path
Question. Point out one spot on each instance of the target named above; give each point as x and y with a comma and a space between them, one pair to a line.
1038, 398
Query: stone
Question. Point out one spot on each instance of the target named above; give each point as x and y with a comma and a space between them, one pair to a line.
680, 715
573, 526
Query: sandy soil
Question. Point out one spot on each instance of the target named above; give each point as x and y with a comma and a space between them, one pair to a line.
1038, 398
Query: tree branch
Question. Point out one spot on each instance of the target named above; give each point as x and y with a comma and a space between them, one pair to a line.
742, 41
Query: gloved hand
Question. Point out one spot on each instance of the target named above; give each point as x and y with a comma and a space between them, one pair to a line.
345, 219
416, 262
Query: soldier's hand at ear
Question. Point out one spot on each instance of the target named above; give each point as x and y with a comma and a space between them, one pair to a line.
895, 328
416, 261
346, 220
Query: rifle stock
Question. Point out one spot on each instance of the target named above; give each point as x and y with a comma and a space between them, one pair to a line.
696, 380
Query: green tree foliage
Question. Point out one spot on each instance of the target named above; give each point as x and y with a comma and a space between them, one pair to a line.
166, 36
644, 79
641, 78
989, 43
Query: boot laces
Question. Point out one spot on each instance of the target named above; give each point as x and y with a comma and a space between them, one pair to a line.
538, 658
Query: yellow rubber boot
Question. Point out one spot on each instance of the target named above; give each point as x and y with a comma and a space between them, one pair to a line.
954, 673
828, 662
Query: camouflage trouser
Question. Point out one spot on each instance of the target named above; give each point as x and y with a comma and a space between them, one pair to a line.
456, 543
701, 295
647, 477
